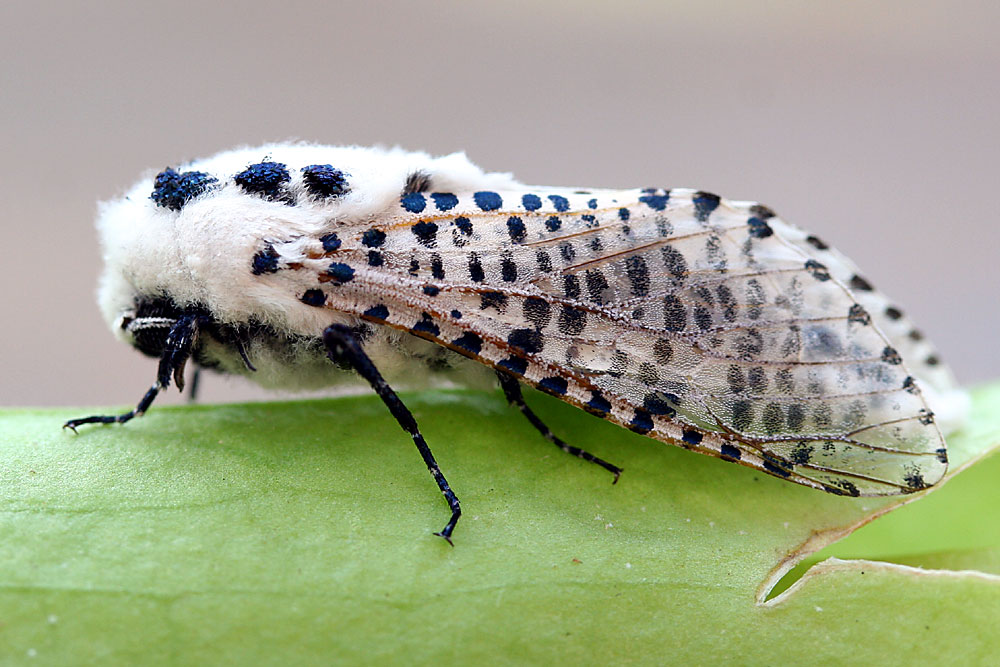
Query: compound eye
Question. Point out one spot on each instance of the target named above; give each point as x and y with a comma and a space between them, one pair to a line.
173, 190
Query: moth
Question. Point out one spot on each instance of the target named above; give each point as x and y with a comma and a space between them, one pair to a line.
698, 321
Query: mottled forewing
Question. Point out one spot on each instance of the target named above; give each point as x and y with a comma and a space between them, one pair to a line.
674, 313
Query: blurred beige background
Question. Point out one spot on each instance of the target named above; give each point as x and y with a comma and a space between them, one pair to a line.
873, 124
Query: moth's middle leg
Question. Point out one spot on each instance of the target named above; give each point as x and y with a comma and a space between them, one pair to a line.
343, 346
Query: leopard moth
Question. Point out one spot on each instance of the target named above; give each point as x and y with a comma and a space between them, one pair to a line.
702, 322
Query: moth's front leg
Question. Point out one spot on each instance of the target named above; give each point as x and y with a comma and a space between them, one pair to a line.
176, 351
141, 408
343, 346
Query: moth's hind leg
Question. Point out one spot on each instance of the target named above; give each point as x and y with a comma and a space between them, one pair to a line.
512, 390
176, 350
343, 346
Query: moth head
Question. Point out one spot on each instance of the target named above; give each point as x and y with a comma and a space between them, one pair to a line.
146, 324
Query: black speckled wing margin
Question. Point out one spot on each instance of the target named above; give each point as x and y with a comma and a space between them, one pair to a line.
697, 321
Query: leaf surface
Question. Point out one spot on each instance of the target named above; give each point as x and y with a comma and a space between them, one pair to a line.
300, 533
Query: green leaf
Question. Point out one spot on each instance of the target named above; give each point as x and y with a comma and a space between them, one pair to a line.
300, 533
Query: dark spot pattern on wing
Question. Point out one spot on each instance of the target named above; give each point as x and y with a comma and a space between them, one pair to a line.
674, 313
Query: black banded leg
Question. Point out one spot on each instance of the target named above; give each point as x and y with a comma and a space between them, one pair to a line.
512, 390
343, 346
176, 351
143, 405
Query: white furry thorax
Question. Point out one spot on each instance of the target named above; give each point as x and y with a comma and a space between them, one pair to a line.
200, 254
